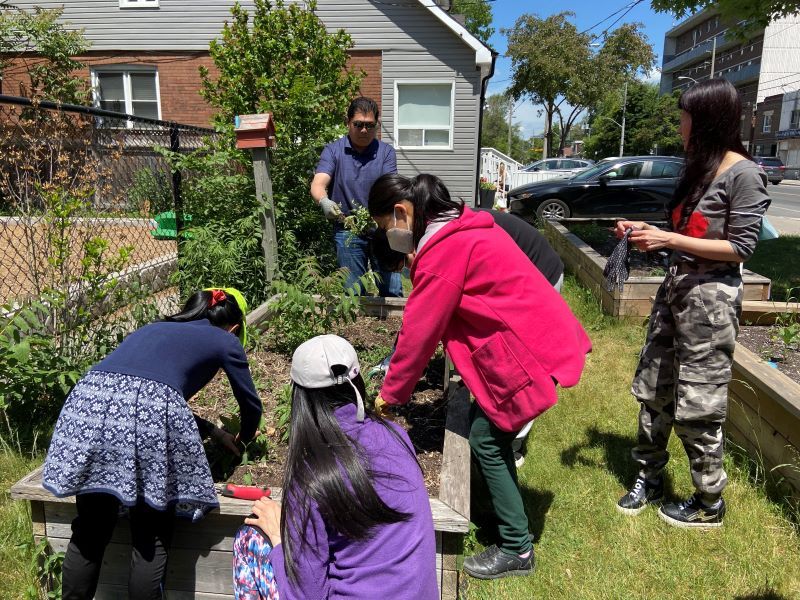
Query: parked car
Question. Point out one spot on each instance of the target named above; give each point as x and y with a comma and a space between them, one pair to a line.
772, 166
564, 165
633, 187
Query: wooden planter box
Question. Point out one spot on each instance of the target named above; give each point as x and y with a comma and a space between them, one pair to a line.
636, 298
764, 415
200, 562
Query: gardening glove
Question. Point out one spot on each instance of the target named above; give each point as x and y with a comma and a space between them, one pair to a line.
330, 209
382, 408
226, 440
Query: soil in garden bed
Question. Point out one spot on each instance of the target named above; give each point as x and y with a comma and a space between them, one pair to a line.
768, 342
423, 417
603, 241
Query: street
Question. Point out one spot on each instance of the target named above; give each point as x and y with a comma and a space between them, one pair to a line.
784, 212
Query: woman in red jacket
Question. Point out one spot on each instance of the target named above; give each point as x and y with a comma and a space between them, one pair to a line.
509, 333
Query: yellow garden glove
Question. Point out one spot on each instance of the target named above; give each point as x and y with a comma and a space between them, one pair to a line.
382, 408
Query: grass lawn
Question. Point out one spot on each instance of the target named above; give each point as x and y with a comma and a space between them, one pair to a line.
16, 539
578, 465
778, 260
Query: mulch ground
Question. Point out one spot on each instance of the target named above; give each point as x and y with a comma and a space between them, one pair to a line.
766, 342
642, 264
423, 418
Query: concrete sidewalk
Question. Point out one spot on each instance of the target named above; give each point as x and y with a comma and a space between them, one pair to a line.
790, 182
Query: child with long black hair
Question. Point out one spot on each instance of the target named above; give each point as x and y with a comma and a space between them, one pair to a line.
126, 436
685, 365
355, 519
510, 334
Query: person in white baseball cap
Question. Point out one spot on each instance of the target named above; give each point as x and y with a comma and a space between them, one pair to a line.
355, 521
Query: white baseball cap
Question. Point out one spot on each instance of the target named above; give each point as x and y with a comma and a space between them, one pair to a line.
313, 362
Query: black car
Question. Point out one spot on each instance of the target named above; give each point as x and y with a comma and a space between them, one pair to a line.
773, 167
634, 187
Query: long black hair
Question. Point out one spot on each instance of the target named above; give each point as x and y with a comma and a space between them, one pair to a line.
716, 110
225, 313
427, 193
388, 259
326, 467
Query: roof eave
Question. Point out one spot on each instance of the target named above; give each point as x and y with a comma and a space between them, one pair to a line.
483, 54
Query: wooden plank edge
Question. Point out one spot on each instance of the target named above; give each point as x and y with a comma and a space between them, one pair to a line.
773, 383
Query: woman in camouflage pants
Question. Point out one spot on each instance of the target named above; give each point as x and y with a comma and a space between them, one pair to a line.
685, 365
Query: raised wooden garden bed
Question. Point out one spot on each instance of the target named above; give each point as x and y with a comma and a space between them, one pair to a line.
201, 557
636, 298
764, 415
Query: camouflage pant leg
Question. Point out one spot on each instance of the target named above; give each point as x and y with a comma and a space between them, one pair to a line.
704, 309
654, 387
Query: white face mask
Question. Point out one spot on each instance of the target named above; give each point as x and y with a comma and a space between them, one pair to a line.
400, 240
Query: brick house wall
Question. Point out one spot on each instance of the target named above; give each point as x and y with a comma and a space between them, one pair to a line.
766, 143
179, 78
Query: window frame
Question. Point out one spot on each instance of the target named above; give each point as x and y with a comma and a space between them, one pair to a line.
126, 71
396, 117
794, 119
767, 125
138, 4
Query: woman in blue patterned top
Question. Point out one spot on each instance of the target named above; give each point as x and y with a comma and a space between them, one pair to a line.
126, 436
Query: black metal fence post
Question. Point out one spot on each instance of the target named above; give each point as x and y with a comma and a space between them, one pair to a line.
175, 146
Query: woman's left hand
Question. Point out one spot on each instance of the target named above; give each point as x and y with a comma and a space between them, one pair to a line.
268, 518
648, 240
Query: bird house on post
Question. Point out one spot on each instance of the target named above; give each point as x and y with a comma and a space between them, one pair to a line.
257, 133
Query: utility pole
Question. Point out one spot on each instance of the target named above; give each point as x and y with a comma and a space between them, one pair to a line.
510, 117
622, 135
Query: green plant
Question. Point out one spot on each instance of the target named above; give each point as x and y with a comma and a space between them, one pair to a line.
591, 233
485, 184
48, 567
310, 304
150, 192
280, 58
283, 413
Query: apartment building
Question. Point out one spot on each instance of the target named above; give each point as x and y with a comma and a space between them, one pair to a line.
765, 68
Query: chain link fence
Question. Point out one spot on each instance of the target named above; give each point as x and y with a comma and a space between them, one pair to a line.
90, 209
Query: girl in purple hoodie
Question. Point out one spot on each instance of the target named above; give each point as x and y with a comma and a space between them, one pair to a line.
355, 520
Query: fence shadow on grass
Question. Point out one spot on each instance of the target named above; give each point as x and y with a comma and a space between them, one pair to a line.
762, 594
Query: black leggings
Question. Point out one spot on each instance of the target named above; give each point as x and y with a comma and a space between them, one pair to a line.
151, 535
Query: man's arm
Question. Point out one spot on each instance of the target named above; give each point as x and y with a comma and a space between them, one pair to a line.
319, 186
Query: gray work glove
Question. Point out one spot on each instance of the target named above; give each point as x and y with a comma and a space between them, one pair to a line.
330, 209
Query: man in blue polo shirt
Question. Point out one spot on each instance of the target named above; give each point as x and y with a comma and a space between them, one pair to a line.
346, 171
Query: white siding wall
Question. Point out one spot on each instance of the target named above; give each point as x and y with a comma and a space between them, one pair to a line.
415, 45
780, 59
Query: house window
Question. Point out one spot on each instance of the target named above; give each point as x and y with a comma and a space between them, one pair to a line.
795, 119
767, 124
138, 3
128, 90
424, 114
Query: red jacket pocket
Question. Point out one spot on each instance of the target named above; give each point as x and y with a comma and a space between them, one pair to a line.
502, 373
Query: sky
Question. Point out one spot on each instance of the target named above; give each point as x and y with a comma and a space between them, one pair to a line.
587, 13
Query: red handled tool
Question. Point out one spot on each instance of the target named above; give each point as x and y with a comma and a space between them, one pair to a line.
245, 492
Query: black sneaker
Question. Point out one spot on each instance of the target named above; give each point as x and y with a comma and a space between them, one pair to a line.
693, 513
493, 563
642, 493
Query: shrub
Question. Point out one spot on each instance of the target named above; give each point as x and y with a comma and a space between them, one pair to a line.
310, 304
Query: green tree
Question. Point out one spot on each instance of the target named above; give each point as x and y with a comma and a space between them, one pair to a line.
494, 128
748, 14
567, 82
651, 123
478, 15
282, 60
38, 44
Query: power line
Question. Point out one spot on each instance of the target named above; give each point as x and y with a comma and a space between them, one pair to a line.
628, 6
632, 6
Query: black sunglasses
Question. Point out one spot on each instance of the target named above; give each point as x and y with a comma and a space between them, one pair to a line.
362, 124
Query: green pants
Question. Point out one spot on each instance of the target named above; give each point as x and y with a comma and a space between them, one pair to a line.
491, 448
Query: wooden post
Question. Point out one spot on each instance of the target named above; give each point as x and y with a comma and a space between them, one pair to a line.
269, 235
257, 133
